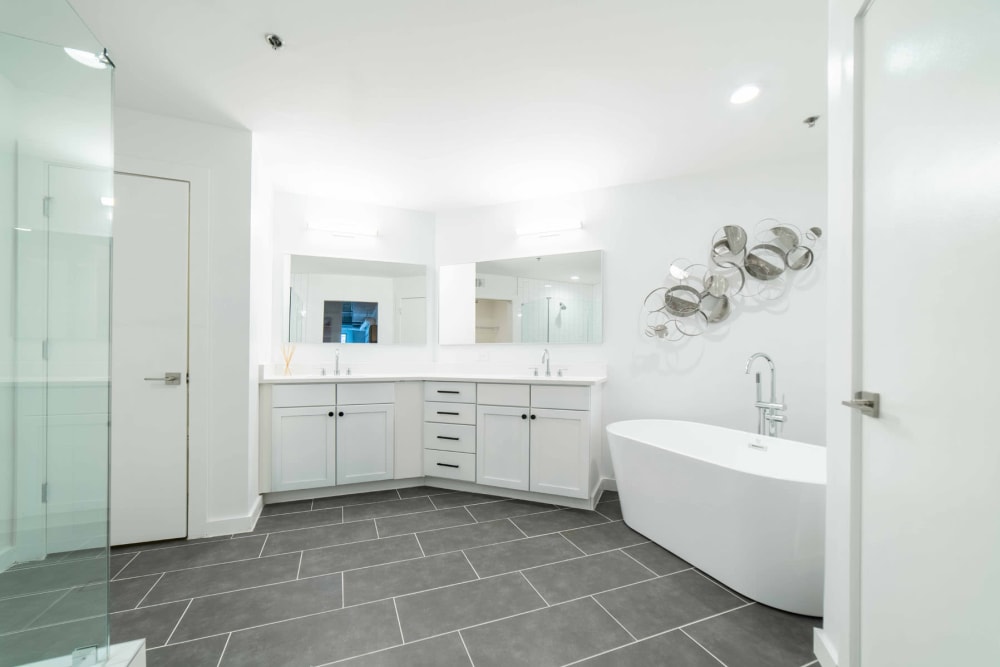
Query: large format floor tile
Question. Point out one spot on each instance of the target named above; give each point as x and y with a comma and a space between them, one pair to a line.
359, 554
603, 537
208, 553
585, 576
388, 508
211, 579
469, 536
459, 498
444, 651
664, 604
324, 536
54, 641
551, 522
128, 593
287, 508
454, 607
506, 509
673, 649
317, 639
656, 558
153, 623
355, 499
546, 638
413, 491
52, 577
257, 606
611, 509
521, 554
415, 523
279, 522
385, 581
757, 636
197, 653
17, 613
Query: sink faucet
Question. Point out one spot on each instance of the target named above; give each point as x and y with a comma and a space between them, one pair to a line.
336, 368
545, 360
768, 418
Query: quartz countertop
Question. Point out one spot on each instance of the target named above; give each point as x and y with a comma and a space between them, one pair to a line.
317, 378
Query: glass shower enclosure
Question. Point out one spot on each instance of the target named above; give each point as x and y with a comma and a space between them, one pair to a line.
56, 205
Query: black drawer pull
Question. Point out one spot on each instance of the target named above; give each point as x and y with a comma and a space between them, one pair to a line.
448, 391
447, 437
448, 465
454, 414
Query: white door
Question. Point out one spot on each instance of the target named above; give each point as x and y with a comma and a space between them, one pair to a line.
502, 446
930, 227
303, 448
560, 452
364, 443
149, 333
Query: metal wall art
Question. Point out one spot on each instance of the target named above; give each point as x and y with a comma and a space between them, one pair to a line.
695, 296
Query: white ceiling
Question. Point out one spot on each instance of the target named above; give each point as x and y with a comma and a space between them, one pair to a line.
433, 104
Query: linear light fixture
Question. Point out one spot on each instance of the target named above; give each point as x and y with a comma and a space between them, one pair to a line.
550, 228
345, 229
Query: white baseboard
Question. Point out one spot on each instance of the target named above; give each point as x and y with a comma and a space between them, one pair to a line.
609, 484
233, 525
824, 649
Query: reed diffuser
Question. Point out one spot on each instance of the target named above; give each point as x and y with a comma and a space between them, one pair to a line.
288, 351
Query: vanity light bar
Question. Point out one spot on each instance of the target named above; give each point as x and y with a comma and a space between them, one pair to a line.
551, 228
349, 231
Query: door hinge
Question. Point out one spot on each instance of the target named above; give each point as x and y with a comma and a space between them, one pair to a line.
46, 206
45, 492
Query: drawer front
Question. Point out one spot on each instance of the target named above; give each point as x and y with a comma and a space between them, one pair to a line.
450, 437
450, 413
560, 398
303, 395
453, 465
366, 393
450, 392
516, 395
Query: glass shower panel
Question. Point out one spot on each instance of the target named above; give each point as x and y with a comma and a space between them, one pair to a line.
56, 205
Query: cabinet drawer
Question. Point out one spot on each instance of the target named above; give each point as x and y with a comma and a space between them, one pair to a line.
452, 465
504, 394
450, 413
450, 392
303, 395
560, 398
450, 437
366, 393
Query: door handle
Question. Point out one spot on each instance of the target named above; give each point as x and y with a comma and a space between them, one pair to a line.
168, 378
868, 402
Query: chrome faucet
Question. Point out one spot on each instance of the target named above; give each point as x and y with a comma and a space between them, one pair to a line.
545, 360
336, 368
769, 420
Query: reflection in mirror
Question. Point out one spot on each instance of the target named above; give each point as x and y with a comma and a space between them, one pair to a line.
547, 299
335, 300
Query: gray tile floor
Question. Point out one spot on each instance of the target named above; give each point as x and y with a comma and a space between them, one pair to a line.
430, 577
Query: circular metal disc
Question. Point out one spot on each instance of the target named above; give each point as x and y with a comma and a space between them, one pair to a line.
765, 262
682, 301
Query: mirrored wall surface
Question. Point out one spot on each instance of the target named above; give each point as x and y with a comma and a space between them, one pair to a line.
55, 243
548, 299
353, 301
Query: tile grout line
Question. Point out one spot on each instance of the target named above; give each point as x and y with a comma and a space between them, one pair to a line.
122, 569
264, 544
613, 618
702, 647
399, 623
178, 623
471, 565
731, 592
466, 647
298, 572
42, 613
511, 519
224, 647
622, 549
523, 576
417, 538
343, 604
143, 598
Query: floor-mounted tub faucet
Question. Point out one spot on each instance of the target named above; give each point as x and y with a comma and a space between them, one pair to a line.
545, 360
768, 418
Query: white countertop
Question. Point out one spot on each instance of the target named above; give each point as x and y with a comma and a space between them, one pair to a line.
306, 378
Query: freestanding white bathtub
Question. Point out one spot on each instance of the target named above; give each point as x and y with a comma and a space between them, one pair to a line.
743, 508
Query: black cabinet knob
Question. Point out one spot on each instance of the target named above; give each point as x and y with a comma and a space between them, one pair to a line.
532, 416
524, 416
340, 414
331, 414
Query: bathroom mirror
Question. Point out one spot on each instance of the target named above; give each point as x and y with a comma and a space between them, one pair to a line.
355, 301
547, 299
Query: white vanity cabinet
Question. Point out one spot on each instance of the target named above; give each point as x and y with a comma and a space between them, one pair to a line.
365, 432
502, 439
450, 430
560, 452
303, 448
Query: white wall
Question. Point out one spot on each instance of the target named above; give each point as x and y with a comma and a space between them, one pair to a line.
8, 216
221, 388
641, 228
404, 236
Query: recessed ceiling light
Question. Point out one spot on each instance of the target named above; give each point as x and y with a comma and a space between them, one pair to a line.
92, 60
548, 285
744, 94
574, 277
